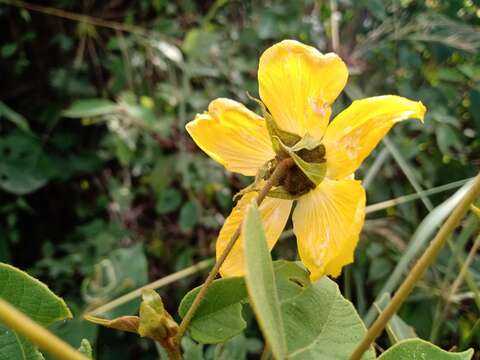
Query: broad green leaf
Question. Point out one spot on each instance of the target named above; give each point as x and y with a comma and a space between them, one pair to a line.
34, 299
219, 316
397, 329
90, 108
291, 278
321, 324
421, 349
261, 285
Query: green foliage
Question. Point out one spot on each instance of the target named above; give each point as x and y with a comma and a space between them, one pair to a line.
219, 316
94, 157
89, 108
261, 285
397, 329
35, 300
417, 348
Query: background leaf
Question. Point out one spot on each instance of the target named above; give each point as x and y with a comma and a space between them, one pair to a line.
421, 349
90, 108
34, 299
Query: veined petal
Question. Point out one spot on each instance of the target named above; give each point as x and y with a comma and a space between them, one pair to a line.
298, 84
327, 222
274, 213
355, 132
232, 135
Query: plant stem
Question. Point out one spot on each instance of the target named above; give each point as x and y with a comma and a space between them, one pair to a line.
419, 269
44, 339
153, 285
77, 17
458, 281
334, 19
272, 181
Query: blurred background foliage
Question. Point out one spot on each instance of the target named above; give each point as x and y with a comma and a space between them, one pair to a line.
102, 191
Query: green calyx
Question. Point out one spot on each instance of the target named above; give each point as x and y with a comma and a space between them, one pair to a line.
307, 153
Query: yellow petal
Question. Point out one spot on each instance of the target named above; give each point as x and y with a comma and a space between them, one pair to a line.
355, 132
232, 135
298, 84
327, 222
274, 214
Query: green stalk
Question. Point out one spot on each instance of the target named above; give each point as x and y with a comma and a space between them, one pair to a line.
419, 269
44, 339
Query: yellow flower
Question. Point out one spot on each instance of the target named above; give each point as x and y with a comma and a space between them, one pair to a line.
298, 84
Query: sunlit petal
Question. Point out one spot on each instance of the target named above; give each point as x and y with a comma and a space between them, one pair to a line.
274, 213
355, 132
232, 135
327, 222
298, 84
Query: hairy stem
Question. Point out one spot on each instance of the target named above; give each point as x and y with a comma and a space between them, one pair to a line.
271, 182
419, 269
44, 339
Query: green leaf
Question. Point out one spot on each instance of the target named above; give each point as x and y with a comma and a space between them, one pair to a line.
421, 349
14, 117
191, 350
90, 108
321, 324
124, 270
188, 215
34, 299
168, 201
397, 329
233, 349
261, 285
24, 167
219, 316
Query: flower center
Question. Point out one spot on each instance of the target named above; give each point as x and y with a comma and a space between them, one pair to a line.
295, 182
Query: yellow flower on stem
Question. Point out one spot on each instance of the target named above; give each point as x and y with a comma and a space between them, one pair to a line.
297, 86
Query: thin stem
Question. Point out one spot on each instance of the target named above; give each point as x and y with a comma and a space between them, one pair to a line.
44, 339
77, 17
334, 17
407, 170
272, 181
461, 276
153, 285
419, 269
